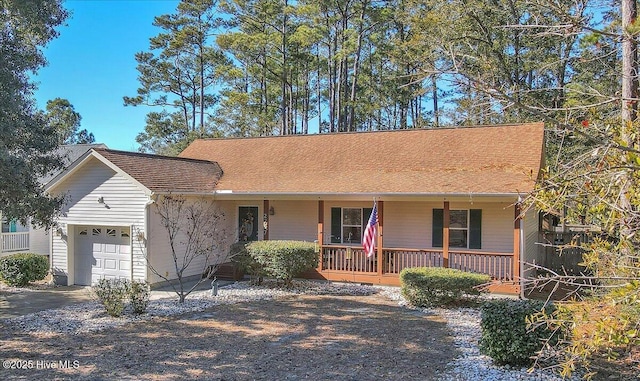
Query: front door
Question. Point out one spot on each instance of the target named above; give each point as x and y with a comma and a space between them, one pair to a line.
248, 223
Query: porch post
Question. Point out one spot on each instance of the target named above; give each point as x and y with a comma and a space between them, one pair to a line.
516, 244
320, 232
445, 236
380, 239
265, 213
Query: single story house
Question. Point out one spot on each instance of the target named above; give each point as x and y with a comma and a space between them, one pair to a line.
445, 197
16, 237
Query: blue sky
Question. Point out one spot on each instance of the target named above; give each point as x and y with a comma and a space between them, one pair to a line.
92, 65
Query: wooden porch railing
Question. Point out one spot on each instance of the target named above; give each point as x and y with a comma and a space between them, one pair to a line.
14, 241
353, 259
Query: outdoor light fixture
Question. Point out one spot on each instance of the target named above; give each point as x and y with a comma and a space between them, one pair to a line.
272, 211
100, 200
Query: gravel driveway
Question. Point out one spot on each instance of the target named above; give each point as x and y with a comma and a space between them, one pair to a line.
318, 337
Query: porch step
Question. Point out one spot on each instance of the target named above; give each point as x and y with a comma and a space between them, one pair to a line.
228, 270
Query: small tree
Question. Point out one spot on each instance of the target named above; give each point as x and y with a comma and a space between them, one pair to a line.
196, 237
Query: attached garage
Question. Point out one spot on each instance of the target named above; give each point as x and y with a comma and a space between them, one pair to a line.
102, 252
104, 230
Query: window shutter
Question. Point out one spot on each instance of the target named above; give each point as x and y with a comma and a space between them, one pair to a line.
336, 225
438, 222
366, 213
475, 229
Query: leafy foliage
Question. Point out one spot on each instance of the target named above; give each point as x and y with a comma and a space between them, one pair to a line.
20, 269
246, 262
436, 286
139, 293
507, 337
604, 326
26, 142
178, 75
112, 295
283, 260
61, 116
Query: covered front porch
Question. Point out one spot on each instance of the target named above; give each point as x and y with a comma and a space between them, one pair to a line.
338, 261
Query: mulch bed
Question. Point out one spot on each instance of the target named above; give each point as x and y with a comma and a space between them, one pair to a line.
300, 337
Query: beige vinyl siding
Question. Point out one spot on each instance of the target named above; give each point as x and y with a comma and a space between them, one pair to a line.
124, 205
408, 224
39, 241
159, 249
294, 220
497, 226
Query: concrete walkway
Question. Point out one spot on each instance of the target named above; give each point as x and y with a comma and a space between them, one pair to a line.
16, 302
167, 292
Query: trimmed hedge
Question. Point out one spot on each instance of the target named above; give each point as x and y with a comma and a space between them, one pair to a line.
437, 286
20, 269
247, 264
283, 260
506, 337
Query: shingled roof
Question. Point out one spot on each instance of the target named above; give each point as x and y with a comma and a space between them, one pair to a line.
502, 159
164, 173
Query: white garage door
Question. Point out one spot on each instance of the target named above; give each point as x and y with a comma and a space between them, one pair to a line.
102, 252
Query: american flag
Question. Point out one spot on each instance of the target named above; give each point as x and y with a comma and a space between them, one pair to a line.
370, 233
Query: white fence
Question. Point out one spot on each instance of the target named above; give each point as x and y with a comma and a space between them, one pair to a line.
14, 242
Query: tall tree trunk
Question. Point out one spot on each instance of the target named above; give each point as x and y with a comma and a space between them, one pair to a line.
629, 62
436, 111
351, 120
319, 91
629, 111
283, 103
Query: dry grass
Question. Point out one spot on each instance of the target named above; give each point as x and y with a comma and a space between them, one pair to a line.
301, 337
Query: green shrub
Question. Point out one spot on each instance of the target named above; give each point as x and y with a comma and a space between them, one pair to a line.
20, 269
247, 264
112, 294
139, 293
284, 260
436, 286
506, 337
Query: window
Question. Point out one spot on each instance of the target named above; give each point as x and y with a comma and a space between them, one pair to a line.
465, 228
458, 228
347, 224
124, 233
96, 231
111, 232
9, 226
351, 225
83, 232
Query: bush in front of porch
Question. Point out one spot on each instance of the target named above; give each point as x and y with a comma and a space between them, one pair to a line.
282, 260
437, 286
